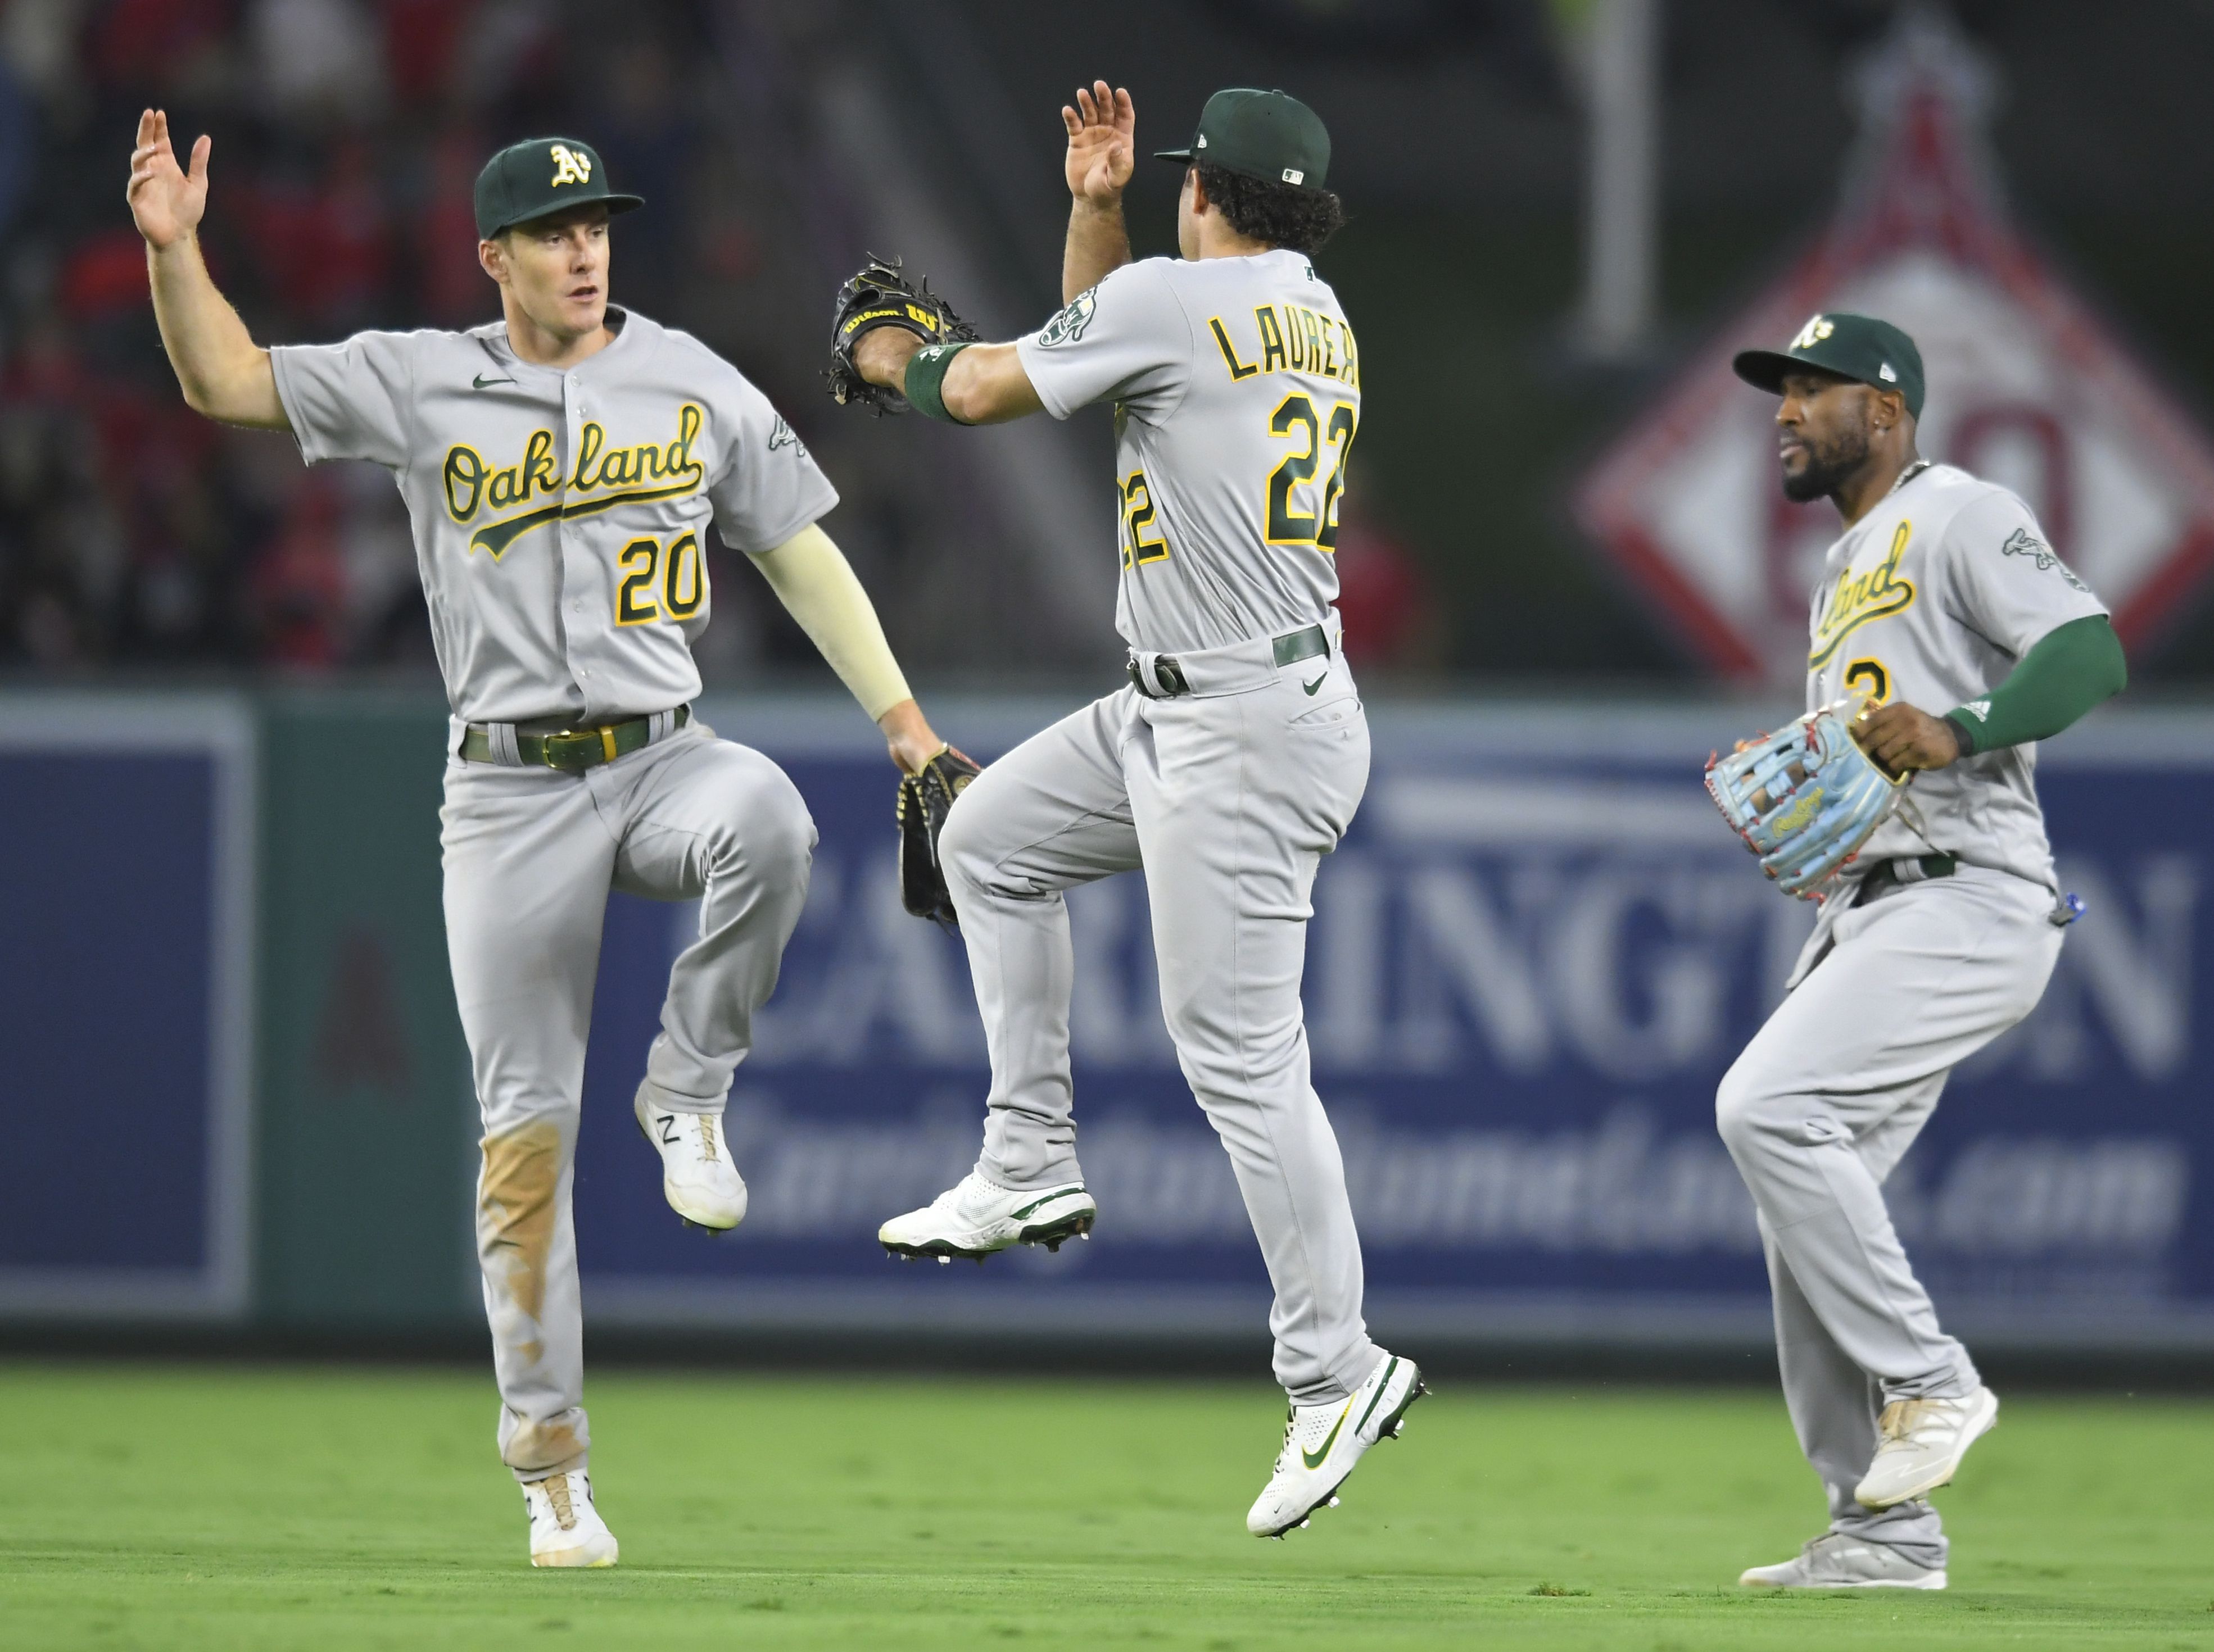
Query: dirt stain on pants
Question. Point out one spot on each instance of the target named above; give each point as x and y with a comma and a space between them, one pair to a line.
515, 1210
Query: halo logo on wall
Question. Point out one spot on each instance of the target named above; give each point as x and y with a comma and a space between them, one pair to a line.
2027, 388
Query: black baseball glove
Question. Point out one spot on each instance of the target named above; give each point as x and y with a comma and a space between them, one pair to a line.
924, 800
881, 295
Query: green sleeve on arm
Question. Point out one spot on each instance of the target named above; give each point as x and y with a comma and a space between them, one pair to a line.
2071, 669
925, 381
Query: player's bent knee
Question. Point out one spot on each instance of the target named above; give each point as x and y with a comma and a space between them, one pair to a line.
765, 829
1738, 1105
965, 849
782, 839
1752, 1111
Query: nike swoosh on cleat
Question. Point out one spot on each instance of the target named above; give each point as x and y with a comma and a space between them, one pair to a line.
1316, 683
1313, 1459
480, 381
1382, 1384
1065, 1192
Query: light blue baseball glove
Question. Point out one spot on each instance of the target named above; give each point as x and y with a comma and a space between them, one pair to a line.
1805, 798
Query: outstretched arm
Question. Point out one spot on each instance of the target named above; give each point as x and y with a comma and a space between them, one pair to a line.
816, 585
1102, 144
224, 373
981, 384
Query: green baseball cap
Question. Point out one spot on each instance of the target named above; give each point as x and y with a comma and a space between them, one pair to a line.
1857, 347
1271, 135
539, 175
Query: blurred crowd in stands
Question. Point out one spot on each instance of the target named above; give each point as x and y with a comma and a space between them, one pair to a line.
348, 133
348, 137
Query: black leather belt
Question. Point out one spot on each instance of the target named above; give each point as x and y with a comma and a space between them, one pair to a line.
573, 748
1884, 875
1290, 649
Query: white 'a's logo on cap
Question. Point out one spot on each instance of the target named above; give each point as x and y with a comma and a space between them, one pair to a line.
1814, 333
570, 167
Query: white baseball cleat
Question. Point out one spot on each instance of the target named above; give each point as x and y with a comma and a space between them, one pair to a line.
1920, 1445
699, 1177
565, 1530
1835, 1561
974, 1217
1322, 1442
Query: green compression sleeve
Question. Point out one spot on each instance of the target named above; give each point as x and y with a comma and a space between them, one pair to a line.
925, 381
2071, 669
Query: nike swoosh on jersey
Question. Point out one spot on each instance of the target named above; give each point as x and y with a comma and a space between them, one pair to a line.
1316, 683
480, 381
1313, 1459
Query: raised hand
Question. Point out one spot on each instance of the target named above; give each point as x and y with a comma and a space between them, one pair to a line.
166, 200
1103, 143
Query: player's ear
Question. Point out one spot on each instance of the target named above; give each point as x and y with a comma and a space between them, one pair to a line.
491, 257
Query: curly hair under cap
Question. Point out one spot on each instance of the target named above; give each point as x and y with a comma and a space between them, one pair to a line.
1282, 215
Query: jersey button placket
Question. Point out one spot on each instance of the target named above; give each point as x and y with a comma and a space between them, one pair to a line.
575, 580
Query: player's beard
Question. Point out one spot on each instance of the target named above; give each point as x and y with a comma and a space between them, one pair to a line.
1829, 465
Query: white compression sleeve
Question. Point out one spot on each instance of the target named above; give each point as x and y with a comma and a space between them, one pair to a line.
816, 585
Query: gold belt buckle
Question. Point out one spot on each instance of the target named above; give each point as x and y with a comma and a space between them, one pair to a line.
554, 748
584, 742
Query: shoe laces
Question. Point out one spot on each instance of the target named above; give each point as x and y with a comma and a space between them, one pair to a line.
556, 1487
1291, 1430
1903, 1419
707, 1138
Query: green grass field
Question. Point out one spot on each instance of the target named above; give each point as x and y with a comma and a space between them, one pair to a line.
188, 1508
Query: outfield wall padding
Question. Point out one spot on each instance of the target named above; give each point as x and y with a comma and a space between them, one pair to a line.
1531, 960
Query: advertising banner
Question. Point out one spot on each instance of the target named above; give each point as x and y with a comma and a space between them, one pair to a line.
1531, 960
126, 883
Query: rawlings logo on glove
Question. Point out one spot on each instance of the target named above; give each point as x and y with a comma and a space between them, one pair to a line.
1805, 798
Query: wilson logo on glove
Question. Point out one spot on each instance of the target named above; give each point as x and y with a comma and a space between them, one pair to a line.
882, 295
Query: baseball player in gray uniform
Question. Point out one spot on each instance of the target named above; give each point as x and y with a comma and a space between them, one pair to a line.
1944, 605
1233, 761
562, 467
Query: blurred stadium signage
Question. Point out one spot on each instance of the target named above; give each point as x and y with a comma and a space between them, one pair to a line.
1532, 960
2026, 388
127, 962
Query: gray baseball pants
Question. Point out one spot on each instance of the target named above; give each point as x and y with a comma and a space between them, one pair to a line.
1227, 797
531, 856
1823, 1104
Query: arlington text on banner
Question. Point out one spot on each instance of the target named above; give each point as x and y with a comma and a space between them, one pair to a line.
1531, 961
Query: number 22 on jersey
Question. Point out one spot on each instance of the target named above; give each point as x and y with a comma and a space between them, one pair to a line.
1295, 420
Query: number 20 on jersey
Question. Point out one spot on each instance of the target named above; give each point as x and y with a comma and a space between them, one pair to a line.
657, 584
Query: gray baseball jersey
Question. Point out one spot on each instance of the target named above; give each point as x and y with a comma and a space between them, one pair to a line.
1932, 598
1237, 386
558, 515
